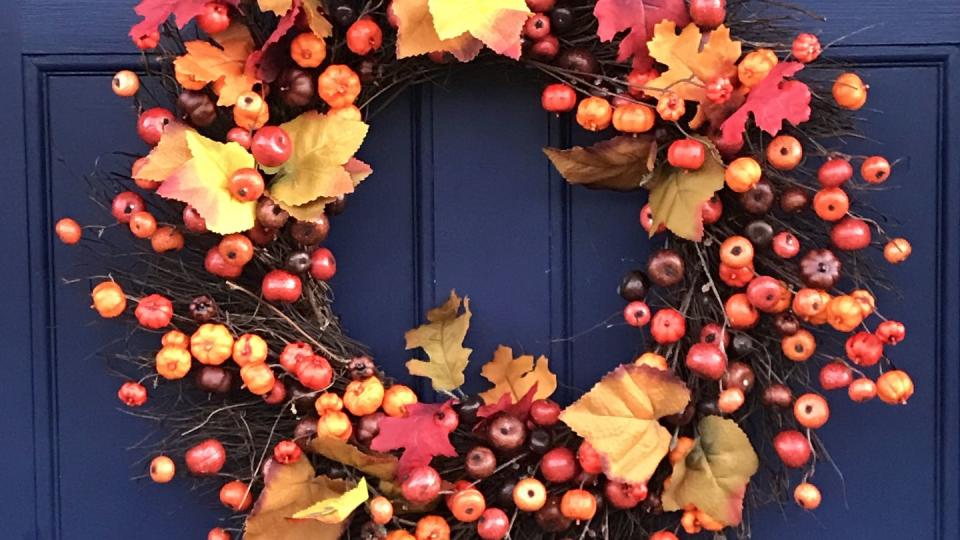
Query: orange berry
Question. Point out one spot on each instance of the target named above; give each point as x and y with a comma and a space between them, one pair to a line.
897, 250
308, 50
742, 174
799, 347
811, 411
68, 231
831, 204
807, 496
529, 495
594, 114
736, 251
143, 224
849, 91
125, 83
162, 469
875, 169
785, 152
381, 510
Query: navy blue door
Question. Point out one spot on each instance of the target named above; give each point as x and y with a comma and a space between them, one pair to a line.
462, 198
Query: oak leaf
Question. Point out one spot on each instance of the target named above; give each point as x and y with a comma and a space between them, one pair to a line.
771, 101
713, 476
517, 376
225, 66
620, 164
619, 418
337, 509
497, 23
288, 489
442, 339
382, 466
203, 182
640, 17
420, 436
690, 66
677, 195
417, 35
156, 12
322, 147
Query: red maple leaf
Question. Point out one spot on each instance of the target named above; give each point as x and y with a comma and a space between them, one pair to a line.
155, 13
264, 64
640, 16
519, 410
420, 436
771, 101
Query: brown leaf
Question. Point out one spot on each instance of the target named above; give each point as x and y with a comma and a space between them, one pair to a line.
442, 339
677, 195
621, 163
287, 490
382, 466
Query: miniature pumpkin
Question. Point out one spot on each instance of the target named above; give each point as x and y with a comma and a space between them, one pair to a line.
258, 378
314, 372
895, 387
328, 401
432, 527
249, 349
108, 299
868, 304
335, 424
211, 344
844, 313
173, 363
396, 398
364, 396
175, 338
154, 311
809, 304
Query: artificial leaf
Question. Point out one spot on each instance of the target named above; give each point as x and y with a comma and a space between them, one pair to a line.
203, 182
442, 339
278, 7
156, 12
317, 22
322, 146
167, 156
265, 63
619, 417
620, 164
416, 34
640, 17
506, 404
225, 66
678, 194
287, 489
771, 101
420, 436
714, 474
382, 466
516, 376
497, 23
691, 66
336, 509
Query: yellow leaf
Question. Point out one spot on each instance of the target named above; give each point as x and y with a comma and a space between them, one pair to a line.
318, 24
619, 417
442, 339
203, 182
224, 66
690, 66
336, 509
279, 7
678, 194
416, 34
382, 466
314, 209
714, 474
287, 489
322, 147
497, 23
167, 156
516, 376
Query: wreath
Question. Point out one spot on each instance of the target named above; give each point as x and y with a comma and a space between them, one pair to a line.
762, 272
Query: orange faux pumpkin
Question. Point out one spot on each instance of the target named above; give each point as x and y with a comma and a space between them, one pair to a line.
594, 113
578, 505
328, 401
809, 304
868, 304
338, 85
335, 424
396, 398
249, 349
364, 396
895, 387
844, 313
211, 344
109, 300
258, 378
432, 527
173, 363
633, 118
175, 338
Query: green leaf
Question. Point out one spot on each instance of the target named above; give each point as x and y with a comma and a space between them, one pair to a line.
677, 195
322, 147
442, 339
336, 509
714, 475
620, 164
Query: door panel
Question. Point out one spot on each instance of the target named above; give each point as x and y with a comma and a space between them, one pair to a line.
462, 198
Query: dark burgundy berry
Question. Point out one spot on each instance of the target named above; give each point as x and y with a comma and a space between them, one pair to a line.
786, 323
214, 379
708, 407
361, 367
561, 19
550, 518
820, 269
203, 309
758, 199
310, 233
759, 232
793, 200
778, 395
368, 427
335, 207
505, 493
741, 345
270, 215
739, 375
468, 409
579, 60
507, 432
634, 286
305, 431
344, 14
665, 268
298, 262
296, 87
540, 441
683, 418
480, 462
196, 108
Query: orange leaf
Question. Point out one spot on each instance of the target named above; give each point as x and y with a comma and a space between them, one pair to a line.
287, 490
619, 417
497, 23
222, 66
690, 66
167, 156
516, 376
416, 34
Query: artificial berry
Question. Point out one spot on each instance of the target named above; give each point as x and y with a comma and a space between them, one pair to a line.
777, 395
295, 87
793, 448
147, 41
897, 250
125, 83
835, 375
540, 6
203, 309
759, 198
637, 314
364, 36
236, 249
719, 90
561, 19
152, 123
142, 224
786, 245
297, 262
154, 311
270, 214
206, 458
281, 286
545, 412
806, 48
162, 469
739, 375
862, 390
558, 465
730, 400
214, 18
480, 462
132, 394
467, 505
633, 286
589, 459
286, 452
546, 49
193, 221
196, 108
361, 367
245, 185
820, 269
624, 496
312, 232
579, 60
851, 234
807, 496
214, 379
507, 432
540, 441
323, 265
529, 495
759, 232
687, 154
708, 14
665, 268
864, 349
422, 485
68, 231
236, 496
668, 326
711, 211
793, 200
494, 524
125, 205
706, 360
811, 411
875, 169
537, 26
271, 146
891, 332
834, 172
558, 98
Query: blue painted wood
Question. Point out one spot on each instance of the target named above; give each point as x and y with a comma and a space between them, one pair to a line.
461, 198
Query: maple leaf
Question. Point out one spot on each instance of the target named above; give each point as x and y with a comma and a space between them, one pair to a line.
203, 182
420, 436
156, 12
771, 101
278, 7
497, 23
313, 210
318, 24
714, 474
336, 509
690, 65
416, 34
619, 417
264, 64
287, 489
167, 156
322, 146
677, 196
516, 376
224, 66
640, 16
382, 466
442, 339
620, 164
519, 410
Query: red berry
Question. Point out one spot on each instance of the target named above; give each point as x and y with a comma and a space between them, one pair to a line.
711, 211
864, 349
271, 146
637, 313
154, 311
713, 334
835, 375
293, 353
281, 286
545, 412
687, 154
193, 221
537, 26
218, 265
286, 452
590, 460
793, 448
806, 48
707, 360
323, 265
125, 204
558, 98
132, 394
708, 14
245, 185
891, 332
786, 245
422, 485
668, 326
215, 18
764, 293
364, 36
147, 41
540, 6
314, 372
719, 90
851, 234
240, 136
152, 123
834, 172
546, 49
637, 80
494, 524
558, 465
624, 496
206, 458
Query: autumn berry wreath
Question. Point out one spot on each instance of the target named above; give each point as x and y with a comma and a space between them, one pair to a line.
716, 108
